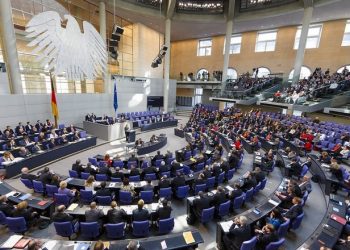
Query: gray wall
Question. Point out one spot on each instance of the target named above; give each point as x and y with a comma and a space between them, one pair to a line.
132, 96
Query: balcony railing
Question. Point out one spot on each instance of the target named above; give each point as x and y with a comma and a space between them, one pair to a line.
200, 6
247, 5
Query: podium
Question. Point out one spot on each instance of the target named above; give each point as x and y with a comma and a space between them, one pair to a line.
131, 135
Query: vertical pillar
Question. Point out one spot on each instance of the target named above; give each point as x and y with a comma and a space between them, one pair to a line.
229, 27
299, 59
102, 19
8, 38
166, 65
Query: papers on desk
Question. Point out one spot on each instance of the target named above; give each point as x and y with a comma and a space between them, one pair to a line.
258, 157
111, 184
25, 197
229, 188
273, 202
257, 153
154, 206
325, 165
68, 179
11, 242
188, 237
72, 207
163, 244
226, 225
10, 194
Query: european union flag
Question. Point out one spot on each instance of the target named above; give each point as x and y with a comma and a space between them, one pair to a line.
115, 98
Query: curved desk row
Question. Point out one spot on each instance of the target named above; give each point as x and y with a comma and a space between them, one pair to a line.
158, 125
149, 147
175, 241
48, 156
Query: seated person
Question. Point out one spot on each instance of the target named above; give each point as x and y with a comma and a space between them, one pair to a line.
148, 170
239, 232
53, 134
5, 207
158, 156
207, 173
164, 182
178, 181
91, 169
56, 180
305, 184
45, 176
295, 210
202, 202
23, 152
118, 173
134, 171
61, 216
199, 181
105, 169
139, 143
108, 159
148, 186
103, 191
78, 167
134, 158
325, 158
7, 157
236, 192
140, 213
295, 168
94, 214
127, 187
275, 218
163, 167
116, 215
90, 183
219, 197
153, 139
175, 166
259, 175
64, 190
164, 211
26, 175
29, 215
34, 245
265, 236
286, 198
249, 182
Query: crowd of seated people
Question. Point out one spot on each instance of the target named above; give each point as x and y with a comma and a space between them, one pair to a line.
245, 81
30, 139
316, 85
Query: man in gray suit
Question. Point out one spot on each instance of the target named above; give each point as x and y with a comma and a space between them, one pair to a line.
94, 214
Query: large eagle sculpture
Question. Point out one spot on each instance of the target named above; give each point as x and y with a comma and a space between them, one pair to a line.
67, 50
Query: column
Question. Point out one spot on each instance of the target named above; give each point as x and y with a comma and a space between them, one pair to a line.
299, 59
102, 19
8, 38
166, 65
229, 27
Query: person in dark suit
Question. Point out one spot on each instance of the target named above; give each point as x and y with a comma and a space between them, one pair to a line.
149, 170
45, 176
133, 158
164, 182
140, 214
90, 169
158, 156
239, 232
116, 215
26, 175
259, 175
294, 210
163, 212
103, 191
28, 128
6, 208
118, 174
207, 173
200, 203
78, 167
286, 198
61, 216
94, 214
163, 167
233, 160
29, 215
236, 192
178, 181
134, 171
249, 182
295, 168
148, 186
19, 129
265, 236
199, 181
219, 197
105, 169
216, 170
225, 166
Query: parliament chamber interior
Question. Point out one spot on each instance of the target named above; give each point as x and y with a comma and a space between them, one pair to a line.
175, 124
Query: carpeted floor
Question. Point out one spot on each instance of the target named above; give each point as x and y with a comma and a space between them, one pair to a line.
314, 209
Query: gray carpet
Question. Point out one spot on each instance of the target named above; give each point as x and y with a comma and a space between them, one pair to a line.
314, 209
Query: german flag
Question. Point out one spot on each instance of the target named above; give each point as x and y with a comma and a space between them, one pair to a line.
53, 100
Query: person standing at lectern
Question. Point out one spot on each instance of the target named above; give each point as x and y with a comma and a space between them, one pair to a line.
126, 130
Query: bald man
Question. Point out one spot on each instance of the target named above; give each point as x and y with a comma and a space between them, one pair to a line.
61, 216
26, 175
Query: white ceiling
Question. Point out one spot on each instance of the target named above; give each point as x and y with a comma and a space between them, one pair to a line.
187, 26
